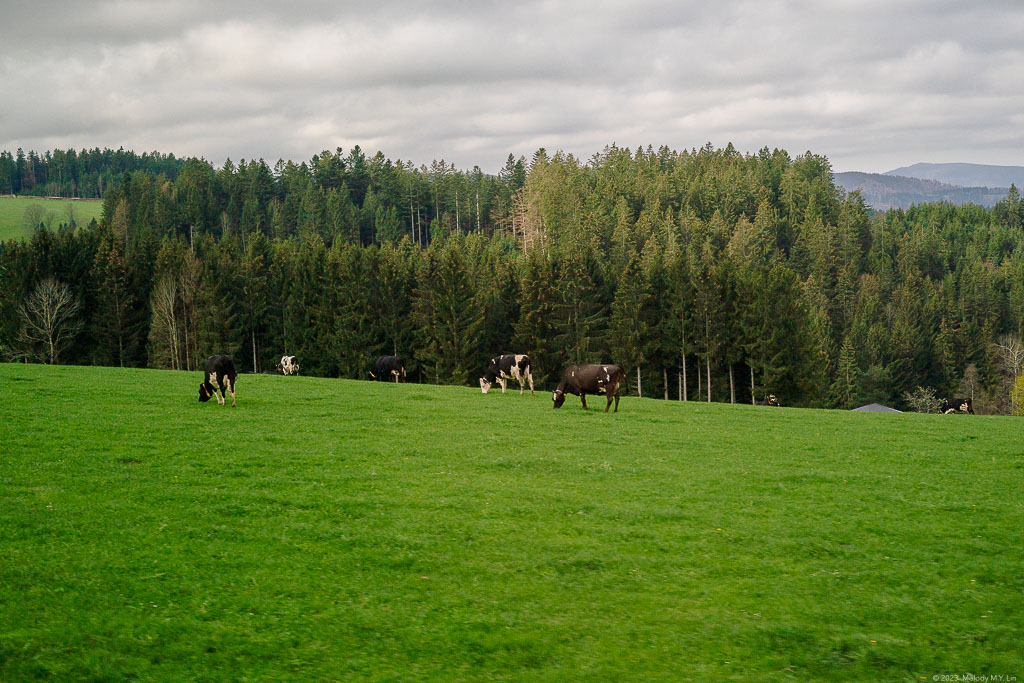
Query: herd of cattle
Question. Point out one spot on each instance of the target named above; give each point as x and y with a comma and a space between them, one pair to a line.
219, 374
578, 380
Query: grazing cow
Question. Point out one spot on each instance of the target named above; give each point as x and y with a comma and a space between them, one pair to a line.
506, 367
590, 379
770, 400
289, 365
956, 405
387, 367
219, 374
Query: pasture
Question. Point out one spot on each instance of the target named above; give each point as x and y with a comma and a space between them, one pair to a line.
12, 213
330, 529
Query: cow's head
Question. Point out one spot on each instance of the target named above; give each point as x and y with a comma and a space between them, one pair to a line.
771, 400
558, 397
204, 393
485, 386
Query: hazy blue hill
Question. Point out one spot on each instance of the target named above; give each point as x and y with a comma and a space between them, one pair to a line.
885, 191
964, 175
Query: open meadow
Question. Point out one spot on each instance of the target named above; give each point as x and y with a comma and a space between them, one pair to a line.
328, 529
12, 213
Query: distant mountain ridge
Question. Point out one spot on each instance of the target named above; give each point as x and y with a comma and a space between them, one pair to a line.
922, 183
964, 175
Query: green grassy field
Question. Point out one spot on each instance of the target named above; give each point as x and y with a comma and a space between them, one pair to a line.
331, 529
12, 213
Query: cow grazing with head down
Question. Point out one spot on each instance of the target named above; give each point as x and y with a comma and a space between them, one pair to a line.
219, 373
289, 365
769, 400
951, 406
387, 367
581, 380
506, 367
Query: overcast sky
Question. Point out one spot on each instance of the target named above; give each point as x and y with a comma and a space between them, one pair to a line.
871, 84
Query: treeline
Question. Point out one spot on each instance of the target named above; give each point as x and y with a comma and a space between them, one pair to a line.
709, 274
86, 174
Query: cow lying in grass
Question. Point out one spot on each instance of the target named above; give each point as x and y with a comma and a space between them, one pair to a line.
769, 400
581, 380
219, 374
951, 406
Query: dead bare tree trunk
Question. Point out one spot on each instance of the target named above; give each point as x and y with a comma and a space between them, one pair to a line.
664, 378
707, 363
639, 391
732, 387
753, 396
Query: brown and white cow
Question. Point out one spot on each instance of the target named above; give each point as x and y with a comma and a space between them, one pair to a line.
289, 365
581, 380
219, 373
508, 366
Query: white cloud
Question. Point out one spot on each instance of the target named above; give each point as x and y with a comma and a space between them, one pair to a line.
871, 84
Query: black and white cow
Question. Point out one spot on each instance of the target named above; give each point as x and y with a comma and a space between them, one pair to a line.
289, 365
956, 405
387, 367
219, 374
769, 400
590, 379
503, 368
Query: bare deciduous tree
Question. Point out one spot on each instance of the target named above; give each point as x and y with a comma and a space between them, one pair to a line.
49, 320
165, 332
33, 217
1011, 355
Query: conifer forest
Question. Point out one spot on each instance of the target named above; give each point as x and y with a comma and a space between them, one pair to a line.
709, 274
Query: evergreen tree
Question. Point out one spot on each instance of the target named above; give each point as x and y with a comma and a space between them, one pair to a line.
447, 315
628, 326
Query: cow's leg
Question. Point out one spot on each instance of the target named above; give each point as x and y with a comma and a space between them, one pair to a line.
529, 378
231, 390
503, 382
613, 394
517, 376
583, 397
217, 382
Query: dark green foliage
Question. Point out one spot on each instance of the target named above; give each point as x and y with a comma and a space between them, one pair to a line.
447, 314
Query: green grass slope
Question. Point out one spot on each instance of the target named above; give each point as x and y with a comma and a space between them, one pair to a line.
12, 213
330, 529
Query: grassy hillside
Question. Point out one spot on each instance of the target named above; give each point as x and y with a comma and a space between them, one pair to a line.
329, 529
12, 213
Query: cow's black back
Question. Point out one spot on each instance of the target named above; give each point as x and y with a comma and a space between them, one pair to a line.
387, 368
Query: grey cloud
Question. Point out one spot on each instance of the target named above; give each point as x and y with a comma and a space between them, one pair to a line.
871, 84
